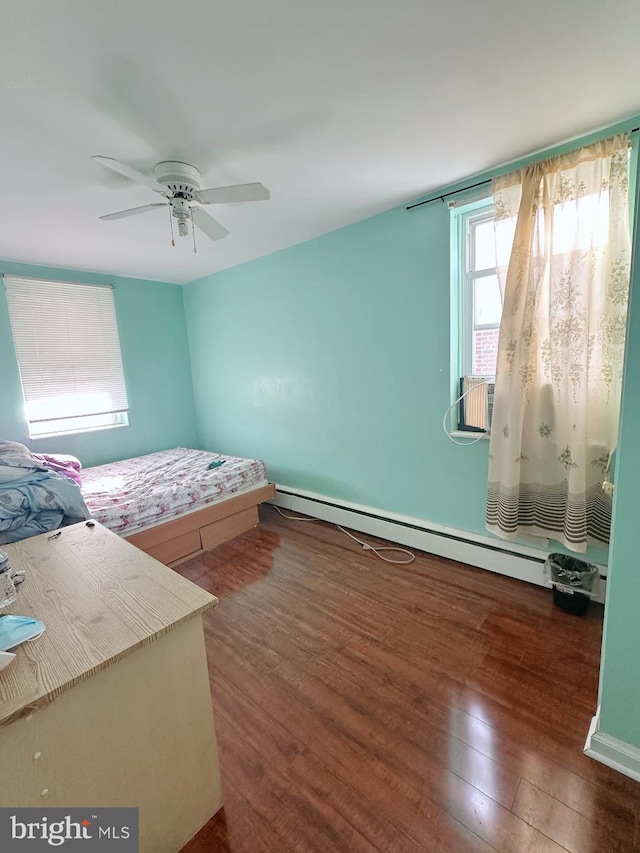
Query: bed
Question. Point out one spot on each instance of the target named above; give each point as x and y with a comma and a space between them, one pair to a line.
177, 503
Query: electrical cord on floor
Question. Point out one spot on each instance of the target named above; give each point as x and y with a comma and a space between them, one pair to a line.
293, 517
377, 549
365, 545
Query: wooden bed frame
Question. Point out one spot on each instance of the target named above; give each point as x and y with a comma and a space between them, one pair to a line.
178, 540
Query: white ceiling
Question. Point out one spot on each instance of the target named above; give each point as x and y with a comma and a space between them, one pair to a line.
343, 108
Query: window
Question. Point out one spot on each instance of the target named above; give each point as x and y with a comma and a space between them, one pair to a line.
479, 291
68, 351
580, 222
476, 293
480, 300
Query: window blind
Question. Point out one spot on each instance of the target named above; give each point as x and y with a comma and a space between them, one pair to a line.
68, 350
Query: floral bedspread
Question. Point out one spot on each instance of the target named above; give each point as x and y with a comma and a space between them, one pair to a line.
136, 493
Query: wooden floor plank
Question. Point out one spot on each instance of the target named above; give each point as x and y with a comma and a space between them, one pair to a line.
369, 707
572, 830
342, 802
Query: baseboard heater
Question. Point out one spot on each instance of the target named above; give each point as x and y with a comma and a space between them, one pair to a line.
513, 560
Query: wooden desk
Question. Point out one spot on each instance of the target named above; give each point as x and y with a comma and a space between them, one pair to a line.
111, 706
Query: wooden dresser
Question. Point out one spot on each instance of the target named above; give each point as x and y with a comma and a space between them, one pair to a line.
112, 705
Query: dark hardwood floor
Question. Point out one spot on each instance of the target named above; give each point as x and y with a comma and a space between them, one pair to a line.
362, 706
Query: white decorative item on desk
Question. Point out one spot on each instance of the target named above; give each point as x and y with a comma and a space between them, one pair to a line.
8, 591
5, 659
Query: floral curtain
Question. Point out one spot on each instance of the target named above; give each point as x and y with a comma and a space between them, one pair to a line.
564, 252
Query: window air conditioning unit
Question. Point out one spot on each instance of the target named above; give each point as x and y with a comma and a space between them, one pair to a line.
476, 404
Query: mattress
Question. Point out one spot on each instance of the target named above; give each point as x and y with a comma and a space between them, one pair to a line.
133, 494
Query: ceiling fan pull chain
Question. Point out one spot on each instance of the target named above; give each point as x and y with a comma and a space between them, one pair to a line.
173, 242
193, 231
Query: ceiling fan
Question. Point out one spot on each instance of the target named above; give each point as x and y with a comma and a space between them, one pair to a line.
179, 183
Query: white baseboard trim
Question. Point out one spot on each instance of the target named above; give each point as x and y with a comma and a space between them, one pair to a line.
505, 558
609, 750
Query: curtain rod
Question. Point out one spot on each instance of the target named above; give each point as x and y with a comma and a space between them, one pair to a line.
442, 196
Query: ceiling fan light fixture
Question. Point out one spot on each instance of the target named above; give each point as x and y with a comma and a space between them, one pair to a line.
181, 209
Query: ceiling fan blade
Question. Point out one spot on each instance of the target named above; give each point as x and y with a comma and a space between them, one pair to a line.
238, 192
211, 227
130, 172
132, 211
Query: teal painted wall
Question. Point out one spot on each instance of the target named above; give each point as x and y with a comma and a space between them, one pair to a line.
157, 370
620, 665
331, 361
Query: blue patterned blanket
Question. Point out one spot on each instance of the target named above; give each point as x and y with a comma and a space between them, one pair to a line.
34, 499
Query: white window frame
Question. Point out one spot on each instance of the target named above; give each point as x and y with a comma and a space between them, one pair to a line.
36, 306
464, 215
468, 218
